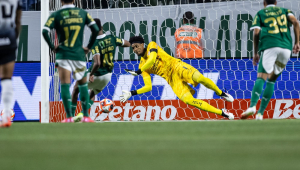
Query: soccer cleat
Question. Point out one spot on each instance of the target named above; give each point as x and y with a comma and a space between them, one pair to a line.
250, 111
227, 97
6, 124
78, 118
87, 120
68, 120
227, 114
259, 116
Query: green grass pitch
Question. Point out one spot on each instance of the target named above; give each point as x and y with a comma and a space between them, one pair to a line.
189, 145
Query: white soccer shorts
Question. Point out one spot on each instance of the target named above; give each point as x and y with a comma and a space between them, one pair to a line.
78, 68
275, 59
99, 83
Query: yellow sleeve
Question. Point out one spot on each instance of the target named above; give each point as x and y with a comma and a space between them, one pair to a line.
152, 49
147, 82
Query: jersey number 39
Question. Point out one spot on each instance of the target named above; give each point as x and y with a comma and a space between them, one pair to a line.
281, 21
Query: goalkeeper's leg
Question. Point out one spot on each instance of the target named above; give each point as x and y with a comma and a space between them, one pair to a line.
208, 83
202, 105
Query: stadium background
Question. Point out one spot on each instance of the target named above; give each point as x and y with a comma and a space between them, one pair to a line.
228, 48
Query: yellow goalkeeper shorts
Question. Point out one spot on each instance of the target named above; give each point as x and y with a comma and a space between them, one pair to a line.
182, 75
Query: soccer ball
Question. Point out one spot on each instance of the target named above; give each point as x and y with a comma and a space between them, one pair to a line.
12, 113
106, 105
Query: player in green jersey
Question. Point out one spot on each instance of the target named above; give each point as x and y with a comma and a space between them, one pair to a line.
99, 75
272, 50
69, 23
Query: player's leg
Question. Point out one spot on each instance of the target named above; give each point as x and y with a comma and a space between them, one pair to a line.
64, 76
74, 98
6, 72
208, 83
265, 68
202, 105
84, 95
280, 63
262, 76
80, 115
100, 82
185, 93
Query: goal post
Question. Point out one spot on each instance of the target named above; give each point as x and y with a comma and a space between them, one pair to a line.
227, 61
45, 81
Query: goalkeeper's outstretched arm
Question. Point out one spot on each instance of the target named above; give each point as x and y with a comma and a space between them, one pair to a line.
148, 87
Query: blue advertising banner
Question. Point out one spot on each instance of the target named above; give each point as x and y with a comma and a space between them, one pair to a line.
236, 76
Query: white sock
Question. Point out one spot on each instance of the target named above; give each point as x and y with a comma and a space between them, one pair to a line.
6, 97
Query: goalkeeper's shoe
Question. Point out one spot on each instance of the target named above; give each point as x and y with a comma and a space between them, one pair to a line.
68, 120
227, 97
5, 123
250, 111
227, 114
87, 120
259, 116
78, 118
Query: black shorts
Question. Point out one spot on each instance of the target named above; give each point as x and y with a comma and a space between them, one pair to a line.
7, 56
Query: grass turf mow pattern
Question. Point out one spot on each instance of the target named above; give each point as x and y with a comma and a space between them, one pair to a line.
188, 145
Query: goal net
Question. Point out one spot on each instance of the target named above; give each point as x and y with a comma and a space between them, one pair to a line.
227, 59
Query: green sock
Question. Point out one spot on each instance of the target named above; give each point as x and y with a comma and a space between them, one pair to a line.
256, 91
84, 97
91, 102
268, 92
66, 98
74, 105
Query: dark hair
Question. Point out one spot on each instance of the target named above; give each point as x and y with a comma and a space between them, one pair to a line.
188, 17
136, 39
67, 1
98, 22
270, 2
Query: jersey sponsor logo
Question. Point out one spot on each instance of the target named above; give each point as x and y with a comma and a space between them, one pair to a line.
4, 41
102, 44
74, 12
118, 40
78, 70
65, 14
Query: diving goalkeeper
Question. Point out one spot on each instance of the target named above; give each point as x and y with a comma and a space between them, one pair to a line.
154, 60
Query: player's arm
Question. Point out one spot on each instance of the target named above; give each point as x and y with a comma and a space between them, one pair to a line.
47, 27
151, 58
295, 23
94, 28
150, 61
256, 26
18, 19
176, 35
122, 42
202, 42
96, 59
256, 40
148, 87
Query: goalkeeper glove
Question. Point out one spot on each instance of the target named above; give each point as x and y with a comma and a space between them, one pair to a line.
135, 73
126, 95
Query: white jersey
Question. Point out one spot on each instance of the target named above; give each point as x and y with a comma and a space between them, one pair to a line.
8, 36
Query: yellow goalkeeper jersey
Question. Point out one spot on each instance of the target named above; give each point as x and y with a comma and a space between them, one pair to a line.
173, 70
164, 64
